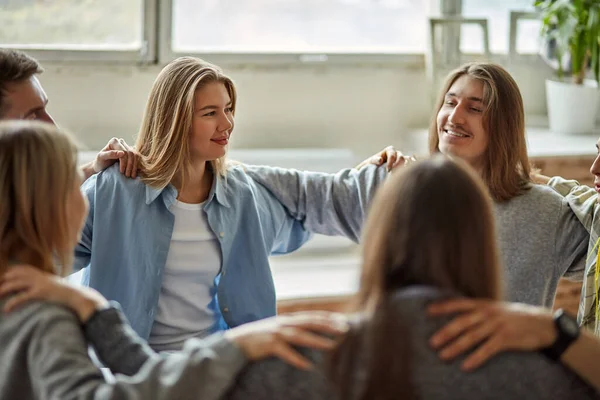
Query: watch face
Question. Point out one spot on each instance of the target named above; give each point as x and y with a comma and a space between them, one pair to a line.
568, 324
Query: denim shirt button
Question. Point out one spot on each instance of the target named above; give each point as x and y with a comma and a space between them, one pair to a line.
222, 234
226, 309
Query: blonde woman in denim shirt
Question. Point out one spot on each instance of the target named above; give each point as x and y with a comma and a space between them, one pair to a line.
184, 247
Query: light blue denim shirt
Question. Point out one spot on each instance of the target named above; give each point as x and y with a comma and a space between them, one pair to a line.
126, 239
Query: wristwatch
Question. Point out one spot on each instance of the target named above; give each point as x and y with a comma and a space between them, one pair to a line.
567, 330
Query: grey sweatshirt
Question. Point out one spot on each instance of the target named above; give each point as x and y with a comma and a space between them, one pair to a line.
44, 355
539, 236
528, 376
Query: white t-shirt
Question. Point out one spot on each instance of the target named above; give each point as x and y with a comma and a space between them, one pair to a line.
186, 305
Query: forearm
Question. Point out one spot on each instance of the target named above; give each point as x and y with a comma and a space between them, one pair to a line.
87, 170
330, 204
583, 357
204, 369
115, 342
60, 368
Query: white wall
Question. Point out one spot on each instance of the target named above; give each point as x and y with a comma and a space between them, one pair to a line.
362, 108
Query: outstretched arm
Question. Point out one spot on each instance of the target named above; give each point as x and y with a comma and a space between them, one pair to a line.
123, 351
329, 204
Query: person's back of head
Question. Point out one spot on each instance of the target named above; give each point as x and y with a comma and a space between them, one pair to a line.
430, 224
39, 207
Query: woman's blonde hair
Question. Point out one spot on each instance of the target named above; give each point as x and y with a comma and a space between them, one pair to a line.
430, 224
507, 170
163, 140
38, 167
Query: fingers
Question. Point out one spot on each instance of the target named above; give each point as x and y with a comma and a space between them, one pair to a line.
455, 328
135, 165
375, 160
122, 165
112, 154
118, 144
130, 158
392, 157
305, 338
291, 356
11, 286
483, 353
454, 306
329, 323
17, 300
468, 340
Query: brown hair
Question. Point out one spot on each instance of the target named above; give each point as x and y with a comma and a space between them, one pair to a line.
430, 224
163, 140
507, 170
38, 166
15, 66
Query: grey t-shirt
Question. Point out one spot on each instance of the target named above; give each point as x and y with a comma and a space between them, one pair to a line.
507, 376
539, 236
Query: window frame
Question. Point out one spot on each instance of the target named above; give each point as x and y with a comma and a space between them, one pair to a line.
166, 52
67, 53
157, 49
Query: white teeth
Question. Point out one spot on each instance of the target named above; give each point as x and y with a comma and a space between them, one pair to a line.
452, 133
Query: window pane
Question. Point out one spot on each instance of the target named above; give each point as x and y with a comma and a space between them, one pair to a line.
106, 24
497, 14
294, 26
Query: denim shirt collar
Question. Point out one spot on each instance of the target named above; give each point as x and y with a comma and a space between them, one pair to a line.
217, 192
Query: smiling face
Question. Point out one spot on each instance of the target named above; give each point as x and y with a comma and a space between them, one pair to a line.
460, 125
212, 122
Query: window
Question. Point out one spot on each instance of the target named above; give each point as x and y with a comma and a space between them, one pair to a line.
498, 14
299, 26
84, 24
248, 31
106, 30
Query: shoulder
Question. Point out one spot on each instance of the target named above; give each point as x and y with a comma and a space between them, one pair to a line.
241, 178
273, 379
37, 316
546, 378
535, 201
237, 173
410, 303
111, 180
419, 296
543, 193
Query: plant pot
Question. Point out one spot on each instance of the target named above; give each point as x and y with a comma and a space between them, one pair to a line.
572, 108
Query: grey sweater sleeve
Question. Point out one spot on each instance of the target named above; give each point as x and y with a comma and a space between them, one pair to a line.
115, 342
329, 204
61, 369
571, 244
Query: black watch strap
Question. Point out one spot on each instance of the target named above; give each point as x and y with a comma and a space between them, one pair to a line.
567, 331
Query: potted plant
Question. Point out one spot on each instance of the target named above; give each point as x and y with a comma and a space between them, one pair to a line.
571, 29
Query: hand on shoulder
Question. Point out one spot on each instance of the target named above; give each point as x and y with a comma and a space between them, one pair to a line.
25, 283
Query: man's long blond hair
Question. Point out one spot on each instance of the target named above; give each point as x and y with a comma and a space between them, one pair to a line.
164, 137
37, 172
